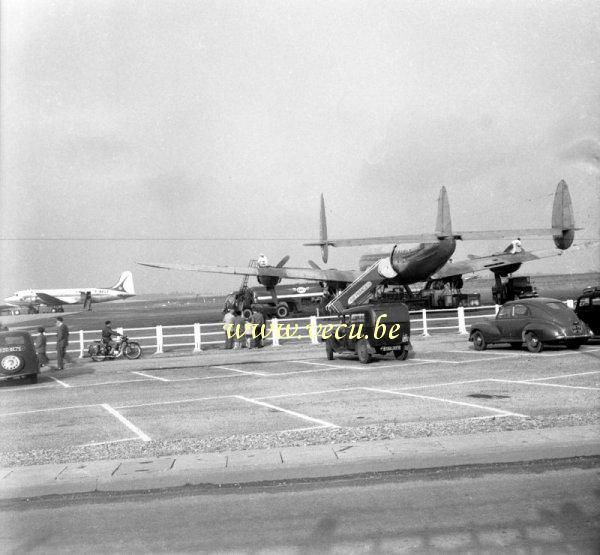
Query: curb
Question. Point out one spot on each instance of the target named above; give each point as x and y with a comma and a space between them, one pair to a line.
298, 463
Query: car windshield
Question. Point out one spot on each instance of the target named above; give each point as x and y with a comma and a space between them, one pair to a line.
9, 340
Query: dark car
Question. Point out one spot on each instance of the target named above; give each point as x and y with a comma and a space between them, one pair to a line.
18, 358
588, 308
371, 329
534, 322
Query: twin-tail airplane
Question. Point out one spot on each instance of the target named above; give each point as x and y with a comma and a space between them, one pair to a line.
32, 299
428, 262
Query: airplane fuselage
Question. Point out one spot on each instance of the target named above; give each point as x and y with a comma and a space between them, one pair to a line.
28, 297
416, 264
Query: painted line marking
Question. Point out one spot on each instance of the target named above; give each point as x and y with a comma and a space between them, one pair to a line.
124, 420
427, 397
291, 412
547, 384
108, 442
283, 395
149, 376
240, 371
49, 410
440, 384
565, 376
192, 400
64, 384
472, 352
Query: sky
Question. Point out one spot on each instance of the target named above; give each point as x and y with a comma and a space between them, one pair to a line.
204, 132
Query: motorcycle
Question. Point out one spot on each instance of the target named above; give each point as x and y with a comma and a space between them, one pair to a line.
99, 351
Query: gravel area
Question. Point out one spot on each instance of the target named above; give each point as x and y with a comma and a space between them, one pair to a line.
136, 449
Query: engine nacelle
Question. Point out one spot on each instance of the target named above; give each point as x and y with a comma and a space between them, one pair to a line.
565, 240
504, 271
268, 281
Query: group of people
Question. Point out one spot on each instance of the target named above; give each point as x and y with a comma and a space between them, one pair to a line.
243, 332
62, 342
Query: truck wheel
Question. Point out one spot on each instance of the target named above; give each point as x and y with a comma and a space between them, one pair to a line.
533, 343
282, 310
362, 351
479, 343
329, 348
401, 355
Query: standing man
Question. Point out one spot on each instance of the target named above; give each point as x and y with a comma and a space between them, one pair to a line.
40, 347
258, 324
88, 300
62, 341
228, 328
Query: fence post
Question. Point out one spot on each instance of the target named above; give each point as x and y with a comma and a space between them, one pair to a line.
496, 308
570, 303
424, 317
313, 330
275, 331
462, 327
81, 344
159, 340
197, 339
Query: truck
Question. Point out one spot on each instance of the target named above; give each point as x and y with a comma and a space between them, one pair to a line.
520, 287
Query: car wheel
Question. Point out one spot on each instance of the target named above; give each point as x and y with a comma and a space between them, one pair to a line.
362, 351
516, 345
533, 343
11, 364
329, 348
282, 310
401, 355
573, 345
479, 343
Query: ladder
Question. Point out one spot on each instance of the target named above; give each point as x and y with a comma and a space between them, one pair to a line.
244, 286
362, 287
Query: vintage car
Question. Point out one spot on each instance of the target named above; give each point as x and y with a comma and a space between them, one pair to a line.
371, 329
17, 356
588, 308
534, 322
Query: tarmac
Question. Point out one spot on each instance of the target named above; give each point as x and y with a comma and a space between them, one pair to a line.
298, 463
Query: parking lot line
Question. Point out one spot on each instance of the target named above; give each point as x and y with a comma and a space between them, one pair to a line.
564, 376
546, 384
60, 382
427, 397
291, 412
439, 384
49, 409
191, 400
240, 371
149, 376
124, 420
95, 443
283, 395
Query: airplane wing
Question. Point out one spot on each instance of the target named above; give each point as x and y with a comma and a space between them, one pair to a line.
481, 263
51, 300
312, 274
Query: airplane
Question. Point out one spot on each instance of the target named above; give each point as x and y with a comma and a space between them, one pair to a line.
428, 262
56, 298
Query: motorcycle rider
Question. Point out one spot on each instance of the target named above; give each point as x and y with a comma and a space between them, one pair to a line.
107, 334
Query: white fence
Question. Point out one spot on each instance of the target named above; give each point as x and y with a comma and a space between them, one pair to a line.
200, 337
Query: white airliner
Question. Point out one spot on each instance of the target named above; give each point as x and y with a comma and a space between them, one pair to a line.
32, 299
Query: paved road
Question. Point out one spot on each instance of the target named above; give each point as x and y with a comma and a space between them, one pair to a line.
543, 507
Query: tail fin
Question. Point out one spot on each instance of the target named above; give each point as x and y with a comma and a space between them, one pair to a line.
443, 227
323, 232
125, 283
563, 220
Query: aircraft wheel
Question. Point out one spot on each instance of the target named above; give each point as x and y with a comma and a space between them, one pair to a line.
533, 343
362, 351
329, 348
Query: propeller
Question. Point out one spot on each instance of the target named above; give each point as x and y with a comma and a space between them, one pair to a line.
283, 261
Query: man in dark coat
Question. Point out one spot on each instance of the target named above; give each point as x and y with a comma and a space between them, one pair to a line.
40, 347
62, 341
